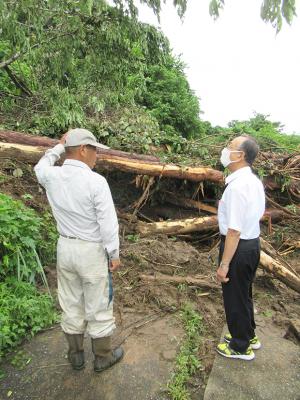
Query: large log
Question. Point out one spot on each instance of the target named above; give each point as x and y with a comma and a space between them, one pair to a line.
279, 271
46, 142
112, 162
178, 226
199, 224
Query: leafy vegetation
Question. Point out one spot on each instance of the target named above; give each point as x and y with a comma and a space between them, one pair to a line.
187, 361
77, 63
22, 247
24, 311
273, 11
21, 234
85, 61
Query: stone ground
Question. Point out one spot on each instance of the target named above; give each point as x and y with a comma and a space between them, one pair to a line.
151, 341
150, 350
274, 374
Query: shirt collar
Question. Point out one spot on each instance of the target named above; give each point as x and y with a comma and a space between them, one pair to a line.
236, 174
76, 163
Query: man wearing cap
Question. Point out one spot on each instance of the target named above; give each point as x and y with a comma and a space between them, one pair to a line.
88, 245
240, 210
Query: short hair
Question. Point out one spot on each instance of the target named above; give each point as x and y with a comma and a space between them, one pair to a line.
250, 148
70, 150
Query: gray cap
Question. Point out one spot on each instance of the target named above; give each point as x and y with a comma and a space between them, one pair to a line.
78, 136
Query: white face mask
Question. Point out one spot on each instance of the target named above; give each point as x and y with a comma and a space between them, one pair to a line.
225, 157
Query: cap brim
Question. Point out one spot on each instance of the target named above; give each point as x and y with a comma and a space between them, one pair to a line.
100, 146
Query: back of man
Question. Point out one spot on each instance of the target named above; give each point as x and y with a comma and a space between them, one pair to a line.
88, 246
73, 191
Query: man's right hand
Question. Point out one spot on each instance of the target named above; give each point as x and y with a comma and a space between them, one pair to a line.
114, 265
63, 138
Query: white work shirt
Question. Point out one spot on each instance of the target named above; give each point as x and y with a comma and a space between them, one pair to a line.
80, 199
242, 204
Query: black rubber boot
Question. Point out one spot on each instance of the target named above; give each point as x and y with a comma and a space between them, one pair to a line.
75, 352
105, 357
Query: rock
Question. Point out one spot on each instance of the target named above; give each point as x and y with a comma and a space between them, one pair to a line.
169, 355
293, 331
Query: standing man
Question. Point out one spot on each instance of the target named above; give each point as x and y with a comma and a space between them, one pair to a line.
240, 210
88, 245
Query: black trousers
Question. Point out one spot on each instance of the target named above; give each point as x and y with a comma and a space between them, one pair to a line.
237, 292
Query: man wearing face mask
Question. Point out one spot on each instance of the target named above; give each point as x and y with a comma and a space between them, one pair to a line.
239, 213
88, 246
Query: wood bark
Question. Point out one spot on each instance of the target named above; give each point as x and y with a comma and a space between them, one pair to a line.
172, 198
112, 162
179, 226
199, 224
189, 280
46, 142
279, 271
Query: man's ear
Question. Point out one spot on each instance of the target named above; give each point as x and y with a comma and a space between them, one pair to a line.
82, 149
243, 155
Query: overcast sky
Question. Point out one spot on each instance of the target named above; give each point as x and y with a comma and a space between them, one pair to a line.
237, 64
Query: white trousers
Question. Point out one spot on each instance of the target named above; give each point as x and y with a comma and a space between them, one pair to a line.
84, 288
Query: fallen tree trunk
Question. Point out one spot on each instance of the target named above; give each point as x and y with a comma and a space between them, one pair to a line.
178, 226
279, 271
172, 198
46, 142
189, 280
269, 249
199, 224
112, 162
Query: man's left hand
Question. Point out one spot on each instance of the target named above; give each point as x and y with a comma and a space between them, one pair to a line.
114, 265
222, 272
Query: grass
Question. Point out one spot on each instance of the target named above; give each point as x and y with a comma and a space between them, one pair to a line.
187, 361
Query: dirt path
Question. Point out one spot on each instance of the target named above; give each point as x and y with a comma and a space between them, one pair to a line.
142, 375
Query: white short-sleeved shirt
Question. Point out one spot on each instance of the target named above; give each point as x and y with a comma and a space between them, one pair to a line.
242, 204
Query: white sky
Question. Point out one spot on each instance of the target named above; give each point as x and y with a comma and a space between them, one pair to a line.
237, 64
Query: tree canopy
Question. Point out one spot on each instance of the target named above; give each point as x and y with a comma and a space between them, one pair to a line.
66, 63
77, 63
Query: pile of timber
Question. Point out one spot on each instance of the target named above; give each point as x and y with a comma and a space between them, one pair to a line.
29, 148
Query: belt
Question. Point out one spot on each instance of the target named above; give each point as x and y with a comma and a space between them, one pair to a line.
68, 237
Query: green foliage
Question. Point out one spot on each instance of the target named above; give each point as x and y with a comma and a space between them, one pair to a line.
171, 101
155, 5
273, 11
187, 361
20, 359
89, 60
132, 129
46, 247
24, 311
268, 134
134, 238
21, 233
19, 230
